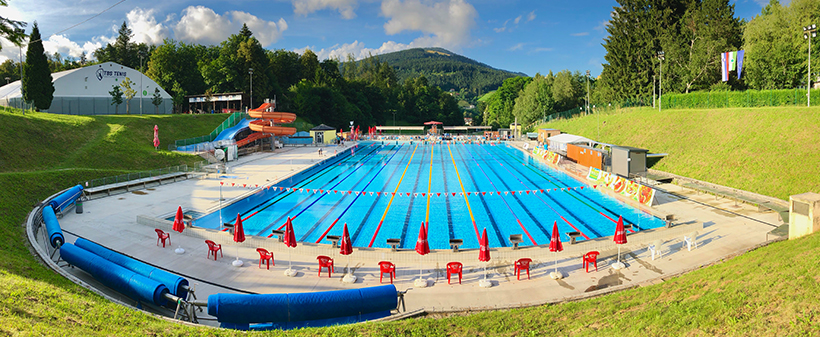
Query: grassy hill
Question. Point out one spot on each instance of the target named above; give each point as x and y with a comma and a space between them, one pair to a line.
771, 151
769, 291
446, 69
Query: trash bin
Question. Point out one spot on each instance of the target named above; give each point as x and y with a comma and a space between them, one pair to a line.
78, 206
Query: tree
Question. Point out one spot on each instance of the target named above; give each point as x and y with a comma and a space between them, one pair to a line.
174, 66
124, 47
245, 31
10, 29
535, 101
310, 63
37, 82
179, 97
128, 92
156, 100
116, 98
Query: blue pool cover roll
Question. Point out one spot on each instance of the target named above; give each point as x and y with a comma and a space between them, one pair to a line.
55, 233
242, 309
174, 282
115, 277
67, 198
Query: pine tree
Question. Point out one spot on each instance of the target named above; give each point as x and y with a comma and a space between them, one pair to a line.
124, 47
37, 82
12, 30
245, 31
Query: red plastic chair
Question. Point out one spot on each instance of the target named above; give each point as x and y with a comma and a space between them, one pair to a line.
389, 268
325, 261
162, 236
265, 255
591, 258
454, 268
213, 248
522, 264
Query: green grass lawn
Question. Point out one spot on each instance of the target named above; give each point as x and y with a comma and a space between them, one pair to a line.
772, 291
771, 151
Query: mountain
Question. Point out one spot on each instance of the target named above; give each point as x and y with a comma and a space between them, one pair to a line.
447, 70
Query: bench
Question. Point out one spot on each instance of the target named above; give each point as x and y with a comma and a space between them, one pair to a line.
130, 185
394, 244
334, 239
515, 239
455, 243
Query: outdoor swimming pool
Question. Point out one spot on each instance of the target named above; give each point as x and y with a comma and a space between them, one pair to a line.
386, 190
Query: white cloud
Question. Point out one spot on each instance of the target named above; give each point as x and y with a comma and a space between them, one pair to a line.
531, 16
518, 46
517, 20
580, 34
538, 50
61, 44
447, 22
345, 7
200, 24
145, 27
358, 50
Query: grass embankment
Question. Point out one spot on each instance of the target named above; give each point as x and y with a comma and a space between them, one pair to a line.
770, 151
770, 291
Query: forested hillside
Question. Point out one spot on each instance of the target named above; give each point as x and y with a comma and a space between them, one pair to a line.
446, 70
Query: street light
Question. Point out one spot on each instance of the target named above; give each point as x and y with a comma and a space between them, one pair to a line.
587, 92
250, 71
7, 79
141, 56
660, 80
809, 30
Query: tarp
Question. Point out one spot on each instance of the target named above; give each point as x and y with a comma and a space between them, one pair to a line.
558, 143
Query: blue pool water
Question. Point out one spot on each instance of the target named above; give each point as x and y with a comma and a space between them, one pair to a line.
441, 169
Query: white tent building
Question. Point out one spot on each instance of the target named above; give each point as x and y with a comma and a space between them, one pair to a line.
85, 91
558, 143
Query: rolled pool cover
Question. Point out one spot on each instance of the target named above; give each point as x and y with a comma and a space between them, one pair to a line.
175, 283
67, 198
241, 309
55, 233
122, 280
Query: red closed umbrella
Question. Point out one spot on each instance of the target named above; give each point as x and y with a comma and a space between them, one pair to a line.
290, 241
347, 249
619, 238
555, 245
423, 248
156, 137
238, 237
179, 226
484, 251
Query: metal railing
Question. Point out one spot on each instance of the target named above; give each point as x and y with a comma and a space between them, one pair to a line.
229, 122
135, 175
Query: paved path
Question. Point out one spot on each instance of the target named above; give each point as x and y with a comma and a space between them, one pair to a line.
727, 229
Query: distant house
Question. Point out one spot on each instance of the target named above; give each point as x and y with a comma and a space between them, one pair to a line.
323, 134
468, 121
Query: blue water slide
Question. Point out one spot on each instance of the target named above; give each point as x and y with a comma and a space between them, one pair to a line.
67, 198
328, 307
175, 283
231, 132
55, 234
127, 282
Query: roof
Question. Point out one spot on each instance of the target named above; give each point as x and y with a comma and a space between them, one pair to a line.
630, 149
432, 122
549, 130
569, 139
322, 127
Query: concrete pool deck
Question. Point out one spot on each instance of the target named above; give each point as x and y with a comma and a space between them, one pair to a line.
727, 229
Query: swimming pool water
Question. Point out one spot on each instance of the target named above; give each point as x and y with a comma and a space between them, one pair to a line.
397, 185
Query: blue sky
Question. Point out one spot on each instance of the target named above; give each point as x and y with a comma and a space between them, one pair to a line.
521, 36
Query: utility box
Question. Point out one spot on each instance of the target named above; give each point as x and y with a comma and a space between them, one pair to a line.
804, 214
586, 156
628, 161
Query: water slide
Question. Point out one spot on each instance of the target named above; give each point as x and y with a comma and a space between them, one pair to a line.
268, 119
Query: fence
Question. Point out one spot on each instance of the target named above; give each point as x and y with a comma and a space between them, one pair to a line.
97, 106
135, 176
229, 122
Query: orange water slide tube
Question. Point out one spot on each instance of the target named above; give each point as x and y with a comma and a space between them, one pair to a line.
268, 119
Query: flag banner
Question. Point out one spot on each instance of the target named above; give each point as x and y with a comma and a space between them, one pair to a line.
732, 60
740, 54
724, 66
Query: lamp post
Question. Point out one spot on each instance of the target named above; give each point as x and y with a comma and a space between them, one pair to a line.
250, 71
653, 91
808, 32
660, 80
587, 92
140, 71
7, 79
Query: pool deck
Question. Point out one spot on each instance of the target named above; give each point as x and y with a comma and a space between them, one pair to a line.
728, 229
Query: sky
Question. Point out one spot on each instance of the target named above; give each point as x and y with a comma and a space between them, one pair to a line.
521, 36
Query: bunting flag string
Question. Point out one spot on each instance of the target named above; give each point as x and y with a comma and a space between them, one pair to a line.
402, 194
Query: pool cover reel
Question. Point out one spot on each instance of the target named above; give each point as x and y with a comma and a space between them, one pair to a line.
55, 233
127, 282
175, 283
69, 197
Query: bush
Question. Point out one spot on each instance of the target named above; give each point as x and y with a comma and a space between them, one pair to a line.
738, 99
